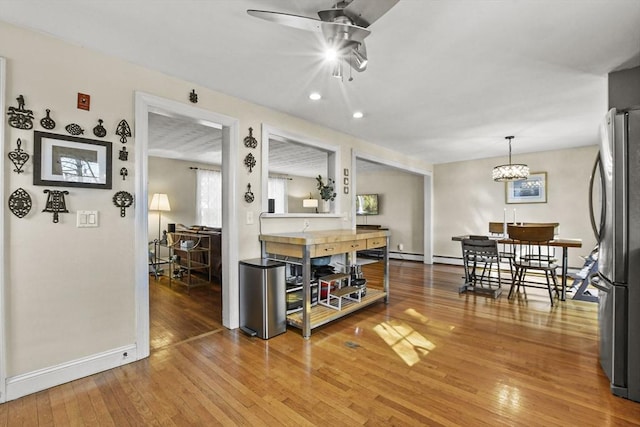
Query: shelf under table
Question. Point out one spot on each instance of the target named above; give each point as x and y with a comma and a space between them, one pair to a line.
321, 315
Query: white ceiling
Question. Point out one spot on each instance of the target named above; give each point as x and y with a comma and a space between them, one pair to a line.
446, 80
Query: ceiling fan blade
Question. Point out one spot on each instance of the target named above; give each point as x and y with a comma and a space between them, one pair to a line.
343, 32
295, 21
365, 12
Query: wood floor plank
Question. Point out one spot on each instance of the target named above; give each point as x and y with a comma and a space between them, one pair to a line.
431, 356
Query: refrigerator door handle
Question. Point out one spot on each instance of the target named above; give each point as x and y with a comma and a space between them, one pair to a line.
597, 167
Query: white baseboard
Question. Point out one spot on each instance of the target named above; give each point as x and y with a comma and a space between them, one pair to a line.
458, 261
32, 382
406, 256
437, 259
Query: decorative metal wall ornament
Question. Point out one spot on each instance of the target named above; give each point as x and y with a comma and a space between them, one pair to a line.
99, 130
56, 203
47, 122
123, 131
18, 157
248, 196
123, 200
123, 154
20, 203
250, 141
250, 162
193, 96
74, 129
123, 173
20, 118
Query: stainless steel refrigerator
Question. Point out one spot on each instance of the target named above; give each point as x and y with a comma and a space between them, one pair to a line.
618, 278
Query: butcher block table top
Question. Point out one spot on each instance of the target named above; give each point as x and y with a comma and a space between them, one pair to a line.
321, 237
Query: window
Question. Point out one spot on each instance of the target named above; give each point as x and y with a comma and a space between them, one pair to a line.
278, 191
209, 198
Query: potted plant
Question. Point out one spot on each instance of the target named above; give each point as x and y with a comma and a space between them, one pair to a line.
326, 192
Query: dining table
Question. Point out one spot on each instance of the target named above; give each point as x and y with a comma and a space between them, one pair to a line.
564, 243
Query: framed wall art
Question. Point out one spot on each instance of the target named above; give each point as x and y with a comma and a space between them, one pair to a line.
531, 190
70, 161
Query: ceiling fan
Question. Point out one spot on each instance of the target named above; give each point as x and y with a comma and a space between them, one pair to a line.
344, 26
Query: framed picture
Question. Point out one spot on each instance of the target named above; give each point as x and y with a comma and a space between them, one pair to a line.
346, 190
69, 161
346, 181
346, 172
531, 190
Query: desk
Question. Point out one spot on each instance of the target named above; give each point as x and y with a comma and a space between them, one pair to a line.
299, 248
565, 244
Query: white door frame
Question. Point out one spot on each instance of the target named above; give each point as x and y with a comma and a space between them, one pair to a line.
3, 271
428, 195
144, 104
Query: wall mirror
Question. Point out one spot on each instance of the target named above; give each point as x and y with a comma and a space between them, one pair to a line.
290, 165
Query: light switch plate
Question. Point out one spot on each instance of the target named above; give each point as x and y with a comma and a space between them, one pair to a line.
86, 219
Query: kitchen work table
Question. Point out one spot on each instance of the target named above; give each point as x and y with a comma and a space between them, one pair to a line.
299, 248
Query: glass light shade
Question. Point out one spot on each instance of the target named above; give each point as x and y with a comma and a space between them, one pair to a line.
310, 203
160, 202
510, 172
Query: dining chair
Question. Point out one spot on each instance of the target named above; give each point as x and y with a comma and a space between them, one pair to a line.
533, 254
480, 255
505, 250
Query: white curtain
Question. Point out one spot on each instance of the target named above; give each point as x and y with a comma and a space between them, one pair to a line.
209, 198
278, 191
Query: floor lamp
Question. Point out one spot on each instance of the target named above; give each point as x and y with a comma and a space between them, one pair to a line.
160, 203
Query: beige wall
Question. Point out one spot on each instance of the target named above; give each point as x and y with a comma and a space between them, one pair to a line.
401, 205
70, 292
299, 188
174, 178
466, 199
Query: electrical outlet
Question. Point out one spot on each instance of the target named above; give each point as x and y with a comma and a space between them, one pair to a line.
400, 247
249, 217
306, 224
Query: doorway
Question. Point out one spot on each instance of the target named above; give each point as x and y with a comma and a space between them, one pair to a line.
3, 354
427, 185
144, 105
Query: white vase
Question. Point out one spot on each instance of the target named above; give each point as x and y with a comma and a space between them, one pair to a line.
325, 207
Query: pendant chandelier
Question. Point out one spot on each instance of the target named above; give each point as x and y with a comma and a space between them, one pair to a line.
510, 172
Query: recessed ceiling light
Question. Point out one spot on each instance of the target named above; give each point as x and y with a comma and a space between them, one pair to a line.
314, 96
357, 115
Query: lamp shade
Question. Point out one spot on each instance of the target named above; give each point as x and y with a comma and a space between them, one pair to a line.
310, 203
160, 202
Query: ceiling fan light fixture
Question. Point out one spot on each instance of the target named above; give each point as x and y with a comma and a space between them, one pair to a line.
511, 171
360, 60
331, 53
337, 70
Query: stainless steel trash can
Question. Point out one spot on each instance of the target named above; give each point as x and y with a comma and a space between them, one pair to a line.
262, 297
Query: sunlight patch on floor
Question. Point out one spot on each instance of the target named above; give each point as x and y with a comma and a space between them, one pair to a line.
422, 318
508, 396
405, 341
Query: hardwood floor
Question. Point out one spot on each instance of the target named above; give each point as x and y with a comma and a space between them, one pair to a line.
429, 357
